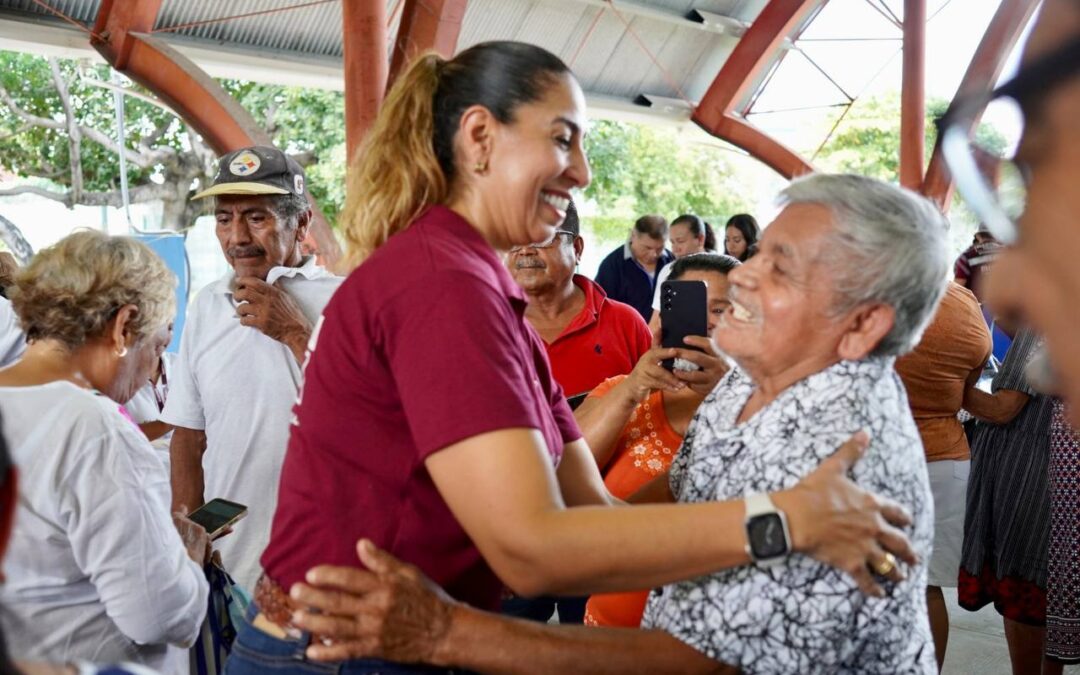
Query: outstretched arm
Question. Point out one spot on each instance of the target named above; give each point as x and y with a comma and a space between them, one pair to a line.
391, 611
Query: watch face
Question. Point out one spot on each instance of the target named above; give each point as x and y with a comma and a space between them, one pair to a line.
766, 534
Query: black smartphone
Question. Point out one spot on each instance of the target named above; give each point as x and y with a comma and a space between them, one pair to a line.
217, 515
684, 311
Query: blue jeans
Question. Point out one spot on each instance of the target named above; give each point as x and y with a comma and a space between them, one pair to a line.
256, 653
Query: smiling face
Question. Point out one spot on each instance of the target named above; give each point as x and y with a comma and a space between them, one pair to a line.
781, 299
541, 270
252, 238
534, 162
683, 241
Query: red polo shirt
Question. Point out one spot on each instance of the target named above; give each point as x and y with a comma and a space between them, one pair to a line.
604, 340
424, 345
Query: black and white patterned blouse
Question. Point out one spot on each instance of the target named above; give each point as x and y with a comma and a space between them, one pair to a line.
802, 616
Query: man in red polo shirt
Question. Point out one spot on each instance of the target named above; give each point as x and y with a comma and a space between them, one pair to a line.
589, 337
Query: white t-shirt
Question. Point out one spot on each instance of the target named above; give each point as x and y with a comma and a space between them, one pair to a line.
239, 386
96, 569
144, 406
12, 338
665, 272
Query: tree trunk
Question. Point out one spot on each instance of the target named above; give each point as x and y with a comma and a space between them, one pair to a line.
16, 242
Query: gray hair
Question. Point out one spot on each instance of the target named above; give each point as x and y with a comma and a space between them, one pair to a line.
888, 246
287, 208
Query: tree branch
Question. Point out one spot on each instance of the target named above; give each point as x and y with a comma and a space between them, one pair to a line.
305, 158
153, 137
25, 116
271, 122
61, 197
143, 160
74, 133
139, 193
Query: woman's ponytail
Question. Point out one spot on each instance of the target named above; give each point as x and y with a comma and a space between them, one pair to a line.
395, 174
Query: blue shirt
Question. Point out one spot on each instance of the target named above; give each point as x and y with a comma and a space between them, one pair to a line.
624, 279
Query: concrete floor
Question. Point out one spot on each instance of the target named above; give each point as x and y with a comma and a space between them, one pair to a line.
977, 642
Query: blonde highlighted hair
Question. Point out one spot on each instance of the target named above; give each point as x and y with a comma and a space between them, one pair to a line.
70, 291
407, 161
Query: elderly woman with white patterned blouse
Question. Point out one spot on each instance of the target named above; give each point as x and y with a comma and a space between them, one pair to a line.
847, 278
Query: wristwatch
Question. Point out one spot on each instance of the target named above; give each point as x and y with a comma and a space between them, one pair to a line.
768, 540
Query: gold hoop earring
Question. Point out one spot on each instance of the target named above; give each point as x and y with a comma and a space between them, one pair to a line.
480, 167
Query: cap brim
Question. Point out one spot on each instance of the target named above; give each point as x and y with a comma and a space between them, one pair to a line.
241, 188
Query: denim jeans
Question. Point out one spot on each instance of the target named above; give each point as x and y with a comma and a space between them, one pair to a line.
256, 653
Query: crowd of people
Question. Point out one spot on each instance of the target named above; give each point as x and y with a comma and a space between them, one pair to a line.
465, 456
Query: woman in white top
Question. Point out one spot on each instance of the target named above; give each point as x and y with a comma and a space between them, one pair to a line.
96, 569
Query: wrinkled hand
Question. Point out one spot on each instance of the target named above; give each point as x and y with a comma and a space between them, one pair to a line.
389, 611
837, 522
272, 311
712, 364
194, 536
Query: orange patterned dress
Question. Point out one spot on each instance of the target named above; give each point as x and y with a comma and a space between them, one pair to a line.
643, 451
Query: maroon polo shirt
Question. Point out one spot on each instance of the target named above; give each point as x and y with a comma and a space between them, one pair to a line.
424, 345
605, 339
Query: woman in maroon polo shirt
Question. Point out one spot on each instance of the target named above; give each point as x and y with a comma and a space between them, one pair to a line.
429, 421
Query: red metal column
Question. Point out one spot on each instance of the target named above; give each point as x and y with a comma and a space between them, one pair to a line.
717, 113
913, 96
983, 71
426, 24
215, 115
363, 42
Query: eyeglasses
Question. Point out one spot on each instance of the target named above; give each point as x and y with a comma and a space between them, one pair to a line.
547, 243
992, 183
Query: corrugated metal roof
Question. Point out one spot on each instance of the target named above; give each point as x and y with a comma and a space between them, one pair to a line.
620, 50
83, 11
314, 30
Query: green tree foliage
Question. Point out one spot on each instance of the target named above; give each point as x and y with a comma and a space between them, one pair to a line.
867, 142
58, 130
639, 169
310, 125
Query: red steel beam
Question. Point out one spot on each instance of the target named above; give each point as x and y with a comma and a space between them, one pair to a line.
215, 115
363, 38
718, 111
983, 72
913, 96
766, 149
426, 24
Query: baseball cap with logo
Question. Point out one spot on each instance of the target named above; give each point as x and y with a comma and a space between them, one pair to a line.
258, 170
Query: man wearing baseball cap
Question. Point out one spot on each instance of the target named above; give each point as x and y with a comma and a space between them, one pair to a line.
238, 371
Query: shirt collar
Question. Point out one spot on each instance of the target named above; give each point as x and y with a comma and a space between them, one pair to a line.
595, 297
308, 269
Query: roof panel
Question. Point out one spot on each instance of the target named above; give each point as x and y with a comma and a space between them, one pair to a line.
602, 42
313, 30
83, 11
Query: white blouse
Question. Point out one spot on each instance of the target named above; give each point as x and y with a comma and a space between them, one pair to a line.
95, 569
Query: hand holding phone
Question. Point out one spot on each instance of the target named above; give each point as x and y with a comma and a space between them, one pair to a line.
217, 516
684, 311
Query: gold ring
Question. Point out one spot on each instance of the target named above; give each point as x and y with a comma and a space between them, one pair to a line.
886, 566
